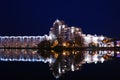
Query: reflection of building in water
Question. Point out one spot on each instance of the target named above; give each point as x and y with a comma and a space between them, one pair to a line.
59, 62
67, 61
97, 56
23, 55
73, 60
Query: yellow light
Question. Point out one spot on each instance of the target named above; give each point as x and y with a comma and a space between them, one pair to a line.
64, 44
56, 55
55, 43
52, 50
64, 53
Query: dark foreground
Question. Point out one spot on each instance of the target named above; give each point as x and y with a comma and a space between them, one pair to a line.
40, 71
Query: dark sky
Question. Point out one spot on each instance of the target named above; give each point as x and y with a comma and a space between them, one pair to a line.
35, 17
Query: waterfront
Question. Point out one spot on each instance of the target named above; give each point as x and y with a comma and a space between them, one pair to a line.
65, 65
64, 52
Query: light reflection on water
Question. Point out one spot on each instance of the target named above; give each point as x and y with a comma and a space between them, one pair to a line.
59, 62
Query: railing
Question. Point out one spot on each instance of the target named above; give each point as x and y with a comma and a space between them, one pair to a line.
20, 41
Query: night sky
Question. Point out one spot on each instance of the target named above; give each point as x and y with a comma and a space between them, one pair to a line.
35, 17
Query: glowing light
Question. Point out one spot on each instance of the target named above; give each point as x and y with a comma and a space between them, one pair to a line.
95, 58
72, 30
101, 37
64, 44
88, 59
95, 39
77, 29
63, 70
57, 20
72, 67
118, 52
59, 29
50, 60
102, 60
64, 53
59, 69
63, 26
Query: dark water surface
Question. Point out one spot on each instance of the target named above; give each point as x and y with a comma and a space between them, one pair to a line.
40, 71
35, 65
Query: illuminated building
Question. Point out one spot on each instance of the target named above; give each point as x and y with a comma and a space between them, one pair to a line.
64, 48
60, 32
